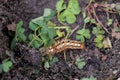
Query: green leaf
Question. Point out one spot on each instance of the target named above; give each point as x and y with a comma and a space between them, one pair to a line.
59, 6
87, 20
51, 24
81, 38
1, 67
19, 25
73, 6
22, 38
50, 57
63, 15
19, 35
46, 64
91, 78
99, 41
70, 18
48, 38
45, 38
97, 31
60, 33
47, 12
49, 17
99, 45
35, 44
87, 34
81, 31
7, 65
13, 43
67, 14
39, 23
43, 35
36, 20
52, 32
99, 38
82, 34
30, 36
93, 21
32, 25
109, 22
84, 15
55, 59
79, 63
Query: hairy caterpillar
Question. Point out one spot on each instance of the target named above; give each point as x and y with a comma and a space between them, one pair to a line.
63, 45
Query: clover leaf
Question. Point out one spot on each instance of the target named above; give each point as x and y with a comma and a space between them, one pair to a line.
67, 13
19, 35
91, 78
60, 6
50, 61
97, 30
6, 65
73, 6
79, 63
43, 35
82, 34
99, 36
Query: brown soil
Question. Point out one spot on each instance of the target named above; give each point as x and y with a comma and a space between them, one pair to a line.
29, 64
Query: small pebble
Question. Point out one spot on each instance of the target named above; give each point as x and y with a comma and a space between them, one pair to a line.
118, 79
115, 71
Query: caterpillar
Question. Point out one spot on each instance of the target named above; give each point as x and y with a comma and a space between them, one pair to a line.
63, 45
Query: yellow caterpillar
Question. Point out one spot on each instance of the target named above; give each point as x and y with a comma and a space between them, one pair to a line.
63, 45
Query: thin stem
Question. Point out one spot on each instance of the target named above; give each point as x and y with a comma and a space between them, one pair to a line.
94, 13
62, 27
73, 30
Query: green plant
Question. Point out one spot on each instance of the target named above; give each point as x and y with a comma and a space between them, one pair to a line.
99, 36
99, 41
19, 35
86, 18
43, 35
82, 34
67, 12
49, 61
79, 63
109, 22
5, 66
91, 78
59, 30
97, 30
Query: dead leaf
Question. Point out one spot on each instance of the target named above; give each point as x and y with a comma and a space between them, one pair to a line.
115, 34
12, 26
104, 57
107, 43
